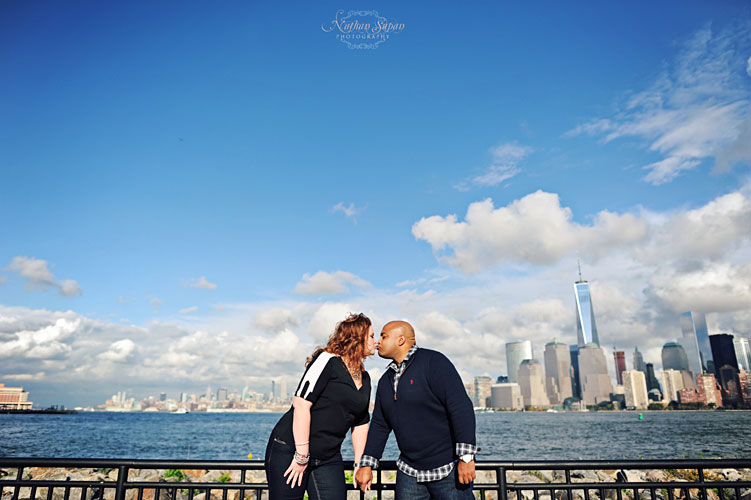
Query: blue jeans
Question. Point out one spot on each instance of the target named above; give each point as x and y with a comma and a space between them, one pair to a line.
448, 488
323, 479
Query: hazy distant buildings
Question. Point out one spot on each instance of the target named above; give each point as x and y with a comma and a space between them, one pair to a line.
726, 367
516, 352
557, 372
635, 389
532, 384
506, 396
639, 361
696, 342
593, 375
482, 392
586, 328
619, 357
742, 353
674, 357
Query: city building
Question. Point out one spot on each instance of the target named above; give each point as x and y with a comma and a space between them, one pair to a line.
744, 378
652, 383
532, 384
742, 353
635, 389
708, 389
482, 392
674, 357
639, 361
696, 342
557, 372
672, 384
14, 398
619, 357
221, 394
516, 352
586, 328
576, 387
506, 396
726, 367
593, 375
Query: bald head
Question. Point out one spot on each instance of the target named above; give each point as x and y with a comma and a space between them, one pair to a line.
397, 337
401, 328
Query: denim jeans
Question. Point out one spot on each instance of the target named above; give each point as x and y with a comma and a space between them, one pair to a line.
323, 479
448, 488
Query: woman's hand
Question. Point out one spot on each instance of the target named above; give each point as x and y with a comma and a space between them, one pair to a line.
294, 473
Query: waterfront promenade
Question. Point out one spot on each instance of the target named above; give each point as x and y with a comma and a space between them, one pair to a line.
102, 479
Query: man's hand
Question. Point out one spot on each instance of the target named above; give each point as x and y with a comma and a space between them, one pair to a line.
466, 472
364, 476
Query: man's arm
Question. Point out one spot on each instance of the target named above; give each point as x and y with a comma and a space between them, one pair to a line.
448, 386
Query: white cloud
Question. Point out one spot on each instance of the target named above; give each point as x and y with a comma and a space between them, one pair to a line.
275, 319
201, 282
23, 376
504, 166
748, 66
350, 211
188, 310
325, 283
39, 277
2, 279
535, 229
695, 110
119, 351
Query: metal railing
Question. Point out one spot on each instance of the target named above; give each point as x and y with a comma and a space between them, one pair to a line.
106, 479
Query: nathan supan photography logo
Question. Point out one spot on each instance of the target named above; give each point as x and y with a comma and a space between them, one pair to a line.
362, 29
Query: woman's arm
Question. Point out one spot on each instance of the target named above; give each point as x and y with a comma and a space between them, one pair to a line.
301, 433
359, 437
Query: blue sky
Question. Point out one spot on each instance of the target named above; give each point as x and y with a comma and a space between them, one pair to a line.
177, 178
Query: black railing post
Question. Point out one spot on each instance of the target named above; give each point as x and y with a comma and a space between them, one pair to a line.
501, 478
122, 475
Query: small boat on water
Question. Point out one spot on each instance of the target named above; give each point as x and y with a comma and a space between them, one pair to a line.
181, 410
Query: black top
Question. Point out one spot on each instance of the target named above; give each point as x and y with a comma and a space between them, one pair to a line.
337, 405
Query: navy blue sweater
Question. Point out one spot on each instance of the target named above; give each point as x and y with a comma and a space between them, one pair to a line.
429, 413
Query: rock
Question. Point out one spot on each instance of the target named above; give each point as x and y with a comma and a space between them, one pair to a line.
730, 474
584, 476
657, 475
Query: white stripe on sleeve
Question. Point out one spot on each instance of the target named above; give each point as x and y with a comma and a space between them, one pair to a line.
309, 380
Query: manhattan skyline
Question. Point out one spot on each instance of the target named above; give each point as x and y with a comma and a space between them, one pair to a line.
193, 195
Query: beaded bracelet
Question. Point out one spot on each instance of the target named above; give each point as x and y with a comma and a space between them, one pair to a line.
301, 459
302, 444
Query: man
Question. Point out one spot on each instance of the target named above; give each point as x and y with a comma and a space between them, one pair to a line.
422, 399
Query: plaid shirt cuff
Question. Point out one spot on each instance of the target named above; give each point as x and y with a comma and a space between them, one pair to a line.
368, 461
464, 448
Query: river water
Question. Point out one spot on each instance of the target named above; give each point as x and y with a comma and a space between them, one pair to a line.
502, 436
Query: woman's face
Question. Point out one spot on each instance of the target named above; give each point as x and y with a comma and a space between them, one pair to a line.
370, 343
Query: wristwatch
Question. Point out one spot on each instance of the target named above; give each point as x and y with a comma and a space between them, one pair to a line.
467, 458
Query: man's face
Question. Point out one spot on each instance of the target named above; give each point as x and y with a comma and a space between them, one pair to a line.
389, 343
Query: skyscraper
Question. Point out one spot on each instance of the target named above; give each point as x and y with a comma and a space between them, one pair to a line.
674, 357
506, 396
619, 357
532, 384
672, 383
639, 361
696, 342
586, 328
576, 386
742, 353
726, 367
482, 391
557, 372
516, 352
635, 389
652, 382
593, 375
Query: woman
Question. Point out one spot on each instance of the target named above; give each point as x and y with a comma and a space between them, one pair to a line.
304, 450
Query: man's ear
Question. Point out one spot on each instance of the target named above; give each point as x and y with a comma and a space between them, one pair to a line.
402, 340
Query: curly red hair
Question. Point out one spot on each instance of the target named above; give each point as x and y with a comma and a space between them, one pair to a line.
347, 341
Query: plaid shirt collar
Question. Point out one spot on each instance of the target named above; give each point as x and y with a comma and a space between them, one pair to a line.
398, 368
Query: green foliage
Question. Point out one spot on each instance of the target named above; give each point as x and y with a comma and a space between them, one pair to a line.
105, 470
177, 474
348, 476
224, 478
655, 406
